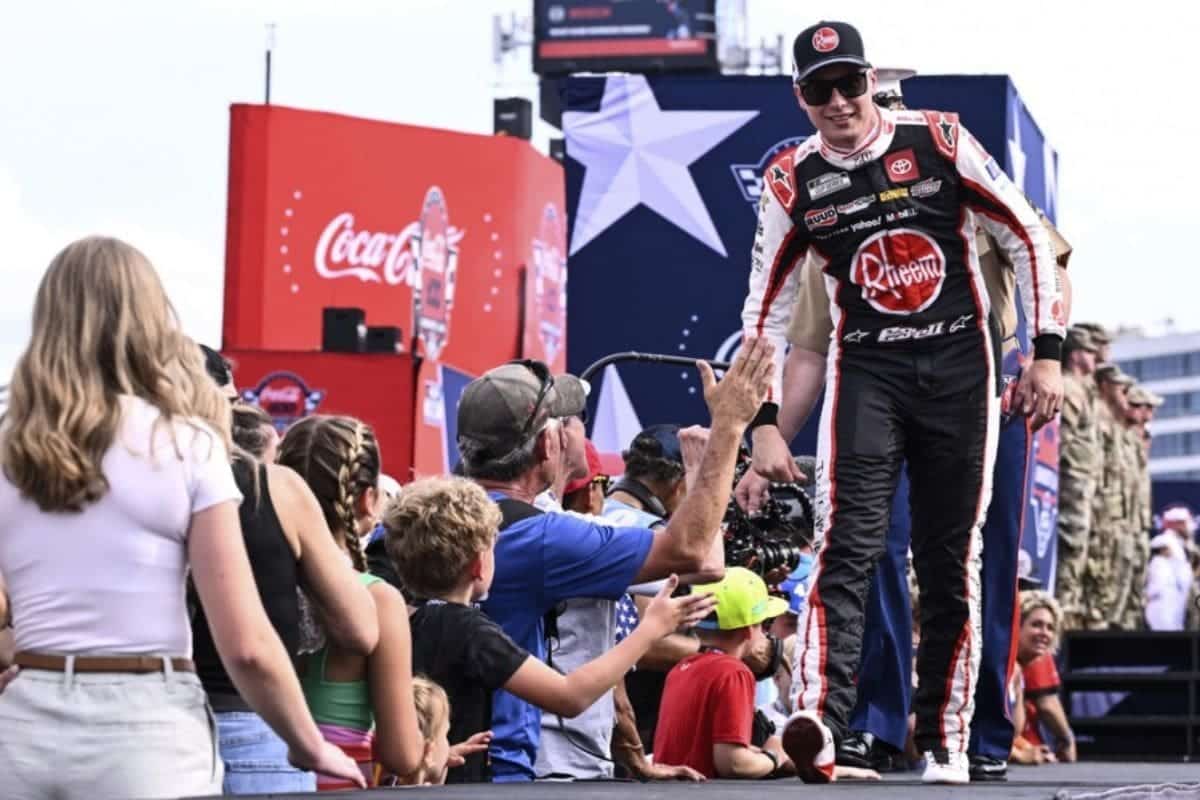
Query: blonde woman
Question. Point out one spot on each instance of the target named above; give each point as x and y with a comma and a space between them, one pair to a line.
362, 704
114, 451
1036, 684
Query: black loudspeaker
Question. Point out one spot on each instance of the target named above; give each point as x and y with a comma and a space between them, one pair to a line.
513, 116
343, 330
384, 339
558, 150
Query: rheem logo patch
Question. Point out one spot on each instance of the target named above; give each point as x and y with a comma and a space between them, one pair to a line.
825, 40
900, 271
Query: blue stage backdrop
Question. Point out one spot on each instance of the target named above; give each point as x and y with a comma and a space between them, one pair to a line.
662, 179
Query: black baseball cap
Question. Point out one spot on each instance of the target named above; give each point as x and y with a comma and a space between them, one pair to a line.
824, 44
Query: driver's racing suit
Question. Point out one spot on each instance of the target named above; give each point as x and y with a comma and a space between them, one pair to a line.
911, 376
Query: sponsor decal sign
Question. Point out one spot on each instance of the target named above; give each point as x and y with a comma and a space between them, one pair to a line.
900, 271
901, 166
827, 184
285, 396
821, 217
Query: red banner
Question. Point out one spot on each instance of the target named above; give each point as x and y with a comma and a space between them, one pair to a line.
423, 229
290, 386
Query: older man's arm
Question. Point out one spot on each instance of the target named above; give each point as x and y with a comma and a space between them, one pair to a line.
686, 543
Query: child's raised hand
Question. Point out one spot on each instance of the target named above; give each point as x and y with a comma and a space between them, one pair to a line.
666, 614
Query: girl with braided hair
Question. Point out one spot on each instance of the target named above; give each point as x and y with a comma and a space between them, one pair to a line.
363, 704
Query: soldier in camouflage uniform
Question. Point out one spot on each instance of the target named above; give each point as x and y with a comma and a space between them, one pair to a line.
1105, 589
1078, 472
1100, 337
1132, 572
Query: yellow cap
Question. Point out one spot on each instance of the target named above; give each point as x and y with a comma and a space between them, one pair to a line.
742, 601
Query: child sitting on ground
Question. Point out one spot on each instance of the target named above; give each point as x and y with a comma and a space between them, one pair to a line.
707, 711
441, 535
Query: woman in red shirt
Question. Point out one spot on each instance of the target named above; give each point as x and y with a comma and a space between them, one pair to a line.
1036, 685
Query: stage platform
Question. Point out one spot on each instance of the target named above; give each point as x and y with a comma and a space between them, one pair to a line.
1086, 781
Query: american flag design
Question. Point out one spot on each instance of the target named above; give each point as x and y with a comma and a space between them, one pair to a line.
627, 617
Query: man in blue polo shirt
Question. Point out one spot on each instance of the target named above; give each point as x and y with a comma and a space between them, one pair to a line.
511, 438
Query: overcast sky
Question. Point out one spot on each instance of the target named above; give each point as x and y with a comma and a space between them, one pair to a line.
114, 119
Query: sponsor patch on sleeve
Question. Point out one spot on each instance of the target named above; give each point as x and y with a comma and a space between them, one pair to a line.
943, 127
779, 177
993, 170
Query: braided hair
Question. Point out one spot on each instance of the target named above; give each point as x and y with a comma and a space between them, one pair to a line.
338, 457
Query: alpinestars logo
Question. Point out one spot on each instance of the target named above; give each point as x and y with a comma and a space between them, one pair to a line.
749, 177
948, 131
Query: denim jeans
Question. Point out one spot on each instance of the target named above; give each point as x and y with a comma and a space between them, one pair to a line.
256, 758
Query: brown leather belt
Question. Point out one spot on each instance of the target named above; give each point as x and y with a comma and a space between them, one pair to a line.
135, 664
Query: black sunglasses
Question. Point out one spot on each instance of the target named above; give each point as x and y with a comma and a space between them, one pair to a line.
820, 92
542, 373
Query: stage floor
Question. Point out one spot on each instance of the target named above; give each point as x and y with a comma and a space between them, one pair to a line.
1086, 781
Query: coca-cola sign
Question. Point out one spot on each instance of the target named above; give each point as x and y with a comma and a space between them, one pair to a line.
345, 251
285, 396
412, 226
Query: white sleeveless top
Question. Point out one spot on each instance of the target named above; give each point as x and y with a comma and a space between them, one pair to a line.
111, 579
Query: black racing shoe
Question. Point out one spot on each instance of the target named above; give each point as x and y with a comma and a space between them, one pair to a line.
985, 769
856, 750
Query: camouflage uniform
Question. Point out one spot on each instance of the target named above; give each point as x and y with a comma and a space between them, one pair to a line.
1131, 571
1133, 616
1078, 474
1110, 543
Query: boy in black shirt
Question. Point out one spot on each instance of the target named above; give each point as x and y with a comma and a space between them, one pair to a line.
441, 535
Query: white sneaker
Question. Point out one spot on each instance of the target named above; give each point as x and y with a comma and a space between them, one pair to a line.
944, 767
809, 744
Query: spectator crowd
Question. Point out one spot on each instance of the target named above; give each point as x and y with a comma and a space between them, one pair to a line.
167, 555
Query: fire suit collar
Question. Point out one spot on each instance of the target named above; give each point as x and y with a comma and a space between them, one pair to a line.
874, 146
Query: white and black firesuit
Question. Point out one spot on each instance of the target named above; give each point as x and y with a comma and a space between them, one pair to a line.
911, 376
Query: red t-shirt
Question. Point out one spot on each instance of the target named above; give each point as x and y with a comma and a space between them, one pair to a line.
1040, 677
708, 699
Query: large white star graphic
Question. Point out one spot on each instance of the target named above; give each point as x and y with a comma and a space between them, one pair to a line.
1016, 154
634, 152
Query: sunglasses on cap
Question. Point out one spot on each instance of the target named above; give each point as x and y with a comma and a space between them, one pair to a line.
542, 373
819, 92
889, 100
603, 481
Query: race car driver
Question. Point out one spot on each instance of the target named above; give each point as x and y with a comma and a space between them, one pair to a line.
883, 686
886, 205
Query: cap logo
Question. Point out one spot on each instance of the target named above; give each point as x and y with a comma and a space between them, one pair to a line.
825, 40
